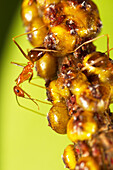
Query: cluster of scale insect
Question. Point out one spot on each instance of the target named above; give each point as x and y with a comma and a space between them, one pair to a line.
79, 80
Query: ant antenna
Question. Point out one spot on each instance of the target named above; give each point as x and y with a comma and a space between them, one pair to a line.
89, 41
39, 101
19, 64
41, 114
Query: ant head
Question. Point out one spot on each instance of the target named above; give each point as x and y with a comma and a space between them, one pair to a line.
18, 91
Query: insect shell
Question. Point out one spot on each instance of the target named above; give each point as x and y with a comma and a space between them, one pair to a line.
64, 24
65, 92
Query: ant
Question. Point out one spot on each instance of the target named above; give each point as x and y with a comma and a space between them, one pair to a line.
27, 73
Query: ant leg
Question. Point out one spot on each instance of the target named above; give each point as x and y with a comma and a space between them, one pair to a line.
34, 83
19, 64
43, 102
47, 88
108, 45
38, 100
37, 85
89, 41
42, 88
109, 50
45, 50
41, 114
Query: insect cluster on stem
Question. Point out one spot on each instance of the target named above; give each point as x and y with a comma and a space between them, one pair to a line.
79, 80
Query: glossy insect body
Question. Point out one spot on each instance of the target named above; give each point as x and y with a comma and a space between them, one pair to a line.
72, 22
68, 23
87, 163
79, 80
99, 64
83, 155
46, 66
70, 157
87, 98
81, 127
58, 118
103, 68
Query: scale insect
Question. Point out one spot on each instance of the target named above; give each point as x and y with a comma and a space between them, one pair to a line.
79, 80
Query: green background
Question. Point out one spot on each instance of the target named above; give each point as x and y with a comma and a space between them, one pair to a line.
26, 141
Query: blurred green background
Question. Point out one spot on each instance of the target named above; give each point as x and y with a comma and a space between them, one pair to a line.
26, 142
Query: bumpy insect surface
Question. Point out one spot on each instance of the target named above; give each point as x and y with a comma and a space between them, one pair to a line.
79, 83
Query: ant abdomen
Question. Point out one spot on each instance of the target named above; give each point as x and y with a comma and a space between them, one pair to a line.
35, 54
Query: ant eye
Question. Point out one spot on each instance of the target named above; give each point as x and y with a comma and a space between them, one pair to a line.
17, 91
